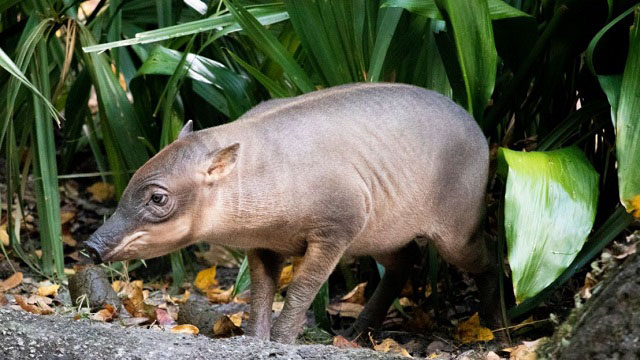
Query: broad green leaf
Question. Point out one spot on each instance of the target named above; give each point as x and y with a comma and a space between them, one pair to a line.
265, 14
550, 206
468, 52
498, 9
622, 88
275, 90
270, 46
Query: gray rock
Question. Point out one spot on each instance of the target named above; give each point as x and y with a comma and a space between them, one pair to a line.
54, 337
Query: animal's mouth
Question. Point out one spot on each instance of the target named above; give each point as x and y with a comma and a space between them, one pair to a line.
123, 245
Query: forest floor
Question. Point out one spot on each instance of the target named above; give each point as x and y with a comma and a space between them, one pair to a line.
148, 316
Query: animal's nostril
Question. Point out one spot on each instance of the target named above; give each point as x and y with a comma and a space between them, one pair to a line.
94, 254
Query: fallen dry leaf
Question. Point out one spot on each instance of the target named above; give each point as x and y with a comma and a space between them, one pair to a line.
101, 191
12, 281
589, 283
67, 239
345, 309
107, 314
492, 356
180, 299
66, 216
4, 235
391, 346
3, 300
117, 285
526, 350
471, 331
228, 325
48, 289
69, 272
356, 295
219, 295
185, 329
42, 309
163, 317
285, 277
342, 342
277, 306
206, 279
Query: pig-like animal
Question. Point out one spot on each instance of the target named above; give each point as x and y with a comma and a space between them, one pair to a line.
361, 169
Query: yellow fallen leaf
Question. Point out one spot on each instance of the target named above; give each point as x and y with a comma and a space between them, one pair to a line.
66, 216
4, 235
285, 277
69, 240
228, 325
471, 331
69, 271
356, 295
107, 314
48, 290
185, 329
219, 295
526, 350
101, 191
635, 206
180, 299
11, 282
117, 285
345, 309
342, 342
206, 279
391, 346
42, 309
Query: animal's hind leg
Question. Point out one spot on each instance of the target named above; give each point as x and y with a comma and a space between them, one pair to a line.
397, 269
478, 259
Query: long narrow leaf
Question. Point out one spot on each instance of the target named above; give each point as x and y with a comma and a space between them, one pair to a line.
48, 201
469, 52
628, 125
266, 14
270, 45
498, 9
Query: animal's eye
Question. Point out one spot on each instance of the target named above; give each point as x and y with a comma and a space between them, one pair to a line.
159, 199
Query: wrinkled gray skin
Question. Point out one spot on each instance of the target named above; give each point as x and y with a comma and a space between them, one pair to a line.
358, 169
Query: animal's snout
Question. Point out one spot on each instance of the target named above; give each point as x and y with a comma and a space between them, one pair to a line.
92, 249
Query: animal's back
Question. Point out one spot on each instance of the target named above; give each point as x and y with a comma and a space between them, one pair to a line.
415, 163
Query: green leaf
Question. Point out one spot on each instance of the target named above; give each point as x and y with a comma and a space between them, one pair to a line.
550, 206
269, 44
384, 34
623, 93
498, 9
46, 184
233, 87
243, 280
319, 307
468, 52
115, 109
225, 24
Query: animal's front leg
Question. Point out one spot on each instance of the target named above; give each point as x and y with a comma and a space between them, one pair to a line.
265, 267
320, 259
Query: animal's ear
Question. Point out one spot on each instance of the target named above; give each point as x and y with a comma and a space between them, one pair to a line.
186, 129
223, 161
